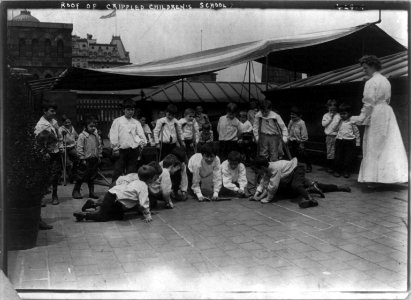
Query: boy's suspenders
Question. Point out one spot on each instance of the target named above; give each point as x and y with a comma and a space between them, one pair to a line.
178, 135
260, 121
194, 137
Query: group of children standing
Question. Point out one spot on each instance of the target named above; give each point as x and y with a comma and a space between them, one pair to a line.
187, 157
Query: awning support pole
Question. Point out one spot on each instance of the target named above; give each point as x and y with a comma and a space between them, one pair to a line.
249, 81
182, 89
266, 73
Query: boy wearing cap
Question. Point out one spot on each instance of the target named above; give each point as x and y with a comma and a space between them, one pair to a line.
127, 139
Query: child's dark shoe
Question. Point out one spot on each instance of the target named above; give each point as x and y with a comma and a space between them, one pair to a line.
80, 216
44, 226
76, 195
55, 200
344, 188
92, 195
304, 203
346, 175
337, 174
89, 204
169, 205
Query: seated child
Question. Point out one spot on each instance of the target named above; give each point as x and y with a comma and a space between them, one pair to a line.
162, 187
202, 166
234, 177
124, 197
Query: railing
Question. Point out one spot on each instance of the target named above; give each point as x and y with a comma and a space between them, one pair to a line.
106, 110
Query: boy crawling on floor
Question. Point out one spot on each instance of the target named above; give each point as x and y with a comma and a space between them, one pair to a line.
123, 197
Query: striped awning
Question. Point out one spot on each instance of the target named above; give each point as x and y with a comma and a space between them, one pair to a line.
310, 53
395, 65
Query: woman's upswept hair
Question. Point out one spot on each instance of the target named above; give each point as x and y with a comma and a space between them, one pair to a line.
371, 60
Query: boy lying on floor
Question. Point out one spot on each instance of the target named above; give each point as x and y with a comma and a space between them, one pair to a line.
121, 198
290, 177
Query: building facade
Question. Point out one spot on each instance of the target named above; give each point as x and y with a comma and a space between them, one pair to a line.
279, 75
43, 49
87, 53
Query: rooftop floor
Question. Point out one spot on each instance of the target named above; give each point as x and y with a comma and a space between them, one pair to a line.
351, 242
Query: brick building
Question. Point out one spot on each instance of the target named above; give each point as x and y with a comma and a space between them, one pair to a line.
43, 49
87, 53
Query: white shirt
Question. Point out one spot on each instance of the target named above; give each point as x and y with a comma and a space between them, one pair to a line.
245, 127
187, 129
231, 176
201, 169
228, 129
331, 124
148, 133
349, 131
131, 194
162, 186
126, 133
184, 178
50, 126
279, 171
268, 125
169, 130
377, 90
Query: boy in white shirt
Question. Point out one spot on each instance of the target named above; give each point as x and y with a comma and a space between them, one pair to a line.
234, 177
124, 197
330, 122
147, 131
228, 130
205, 165
161, 189
168, 132
127, 139
347, 139
190, 129
268, 129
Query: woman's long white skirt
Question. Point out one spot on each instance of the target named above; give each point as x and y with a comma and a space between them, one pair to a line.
384, 156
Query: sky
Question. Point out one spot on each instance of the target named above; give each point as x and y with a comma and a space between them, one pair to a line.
151, 35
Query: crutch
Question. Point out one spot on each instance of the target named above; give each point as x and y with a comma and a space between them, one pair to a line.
101, 174
161, 142
285, 146
65, 158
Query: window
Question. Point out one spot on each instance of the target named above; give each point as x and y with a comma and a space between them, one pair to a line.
35, 47
47, 47
22, 47
60, 48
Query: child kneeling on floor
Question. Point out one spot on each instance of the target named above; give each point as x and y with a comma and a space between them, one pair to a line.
202, 166
234, 177
124, 197
161, 188
289, 174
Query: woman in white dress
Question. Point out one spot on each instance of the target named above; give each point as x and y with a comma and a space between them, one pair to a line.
384, 157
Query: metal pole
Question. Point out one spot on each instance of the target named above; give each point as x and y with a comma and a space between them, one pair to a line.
249, 81
182, 89
266, 73
201, 40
